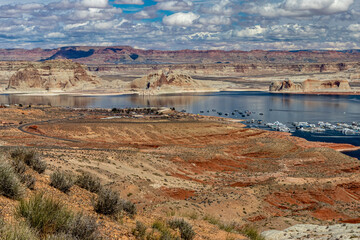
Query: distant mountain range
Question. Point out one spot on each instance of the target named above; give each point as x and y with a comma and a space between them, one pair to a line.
128, 55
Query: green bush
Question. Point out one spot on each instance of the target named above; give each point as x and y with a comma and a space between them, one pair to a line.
139, 231
17, 232
186, 231
45, 214
108, 202
89, 182
30, 158
61, 180
83, 227
10, 185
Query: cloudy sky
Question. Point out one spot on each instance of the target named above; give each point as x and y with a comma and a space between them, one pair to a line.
181, 24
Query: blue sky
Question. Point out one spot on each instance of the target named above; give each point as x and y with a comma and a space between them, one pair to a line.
182, 24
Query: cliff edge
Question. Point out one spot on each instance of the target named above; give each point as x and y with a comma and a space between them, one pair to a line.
310, 86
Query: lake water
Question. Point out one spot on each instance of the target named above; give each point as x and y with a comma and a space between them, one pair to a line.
285, 108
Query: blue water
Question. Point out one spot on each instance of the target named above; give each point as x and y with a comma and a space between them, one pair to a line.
267, 107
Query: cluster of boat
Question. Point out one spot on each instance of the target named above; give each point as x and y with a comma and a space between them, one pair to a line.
320, 127
278, 126
344, 128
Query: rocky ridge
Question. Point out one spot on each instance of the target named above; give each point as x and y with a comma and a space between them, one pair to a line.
309, 231
54, 75
129, 55
310, 86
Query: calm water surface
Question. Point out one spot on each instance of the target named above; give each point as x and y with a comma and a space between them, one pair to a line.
264, 106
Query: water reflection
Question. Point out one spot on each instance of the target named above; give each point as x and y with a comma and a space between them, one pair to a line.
275, 107
166, 100
56, 100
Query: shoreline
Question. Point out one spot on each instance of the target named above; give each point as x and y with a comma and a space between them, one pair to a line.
356, 93
155, 93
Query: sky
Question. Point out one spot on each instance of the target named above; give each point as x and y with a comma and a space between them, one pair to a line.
182, 24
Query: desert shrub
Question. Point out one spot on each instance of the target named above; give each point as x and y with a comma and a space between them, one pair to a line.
30, 158
61, 180
16, 232
89, 182
162, 231
44, 214
186, 231
128, 207
108, 202
139, 231
83, 227
10, 185
60, 236
19, 166
28, 180
38, 165
251, 232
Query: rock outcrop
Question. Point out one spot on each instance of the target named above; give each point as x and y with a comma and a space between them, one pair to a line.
52, 75
166, 81
310, 86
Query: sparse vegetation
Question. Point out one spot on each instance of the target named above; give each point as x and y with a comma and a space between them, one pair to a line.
10, 185
139, 231
251, 232
161, 231
28, 180
110, 203
44, 214
30, 158
62, 181
83, 227
89, 182
186, 231
128, 207
16, 232
52, 219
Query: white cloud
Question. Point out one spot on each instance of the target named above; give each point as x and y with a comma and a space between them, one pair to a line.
215, 20
223, 8
354, 27
175, 5
95, 3
75, 25
294, 32
134, 2
55, 35
143, 15
252, 32
301, 8
31, 6
95, 14
180, 19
